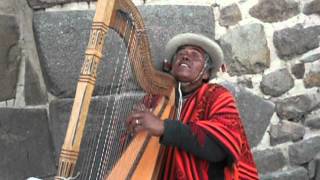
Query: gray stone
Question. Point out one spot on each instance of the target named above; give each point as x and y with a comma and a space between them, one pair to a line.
276, 83
312, 120
230, 15
298, 70
304, 151
317, 167
296, 40
26, 144
114, 107
245, 82
312, 169
312, 7
41, 4
245, 48
295, 108
269, 160
311, 58
10, 55
286, 131
8, 7
165, 21
33, 94
62, 37
312, 78
299, 173
275, 10
256, 112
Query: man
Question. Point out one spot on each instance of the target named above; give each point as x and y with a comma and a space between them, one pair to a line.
207, 140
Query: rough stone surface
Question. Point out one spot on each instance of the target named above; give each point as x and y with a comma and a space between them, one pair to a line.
41, 4
296, 40
26, 145
61, 61
276, 83
8, 7
286, 131
230, 15
313, 120
299, 173
245, 48
256, 112
165, 21
296, 107
275, 10
298, 70
304, 151
33, 93
10, 55
269, 160
312, 169
311, 58
245, 82
317, 167
312, 7
312, 78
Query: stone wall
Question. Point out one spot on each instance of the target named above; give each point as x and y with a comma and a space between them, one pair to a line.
271, 51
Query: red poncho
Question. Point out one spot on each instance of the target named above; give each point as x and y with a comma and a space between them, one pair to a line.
211, 111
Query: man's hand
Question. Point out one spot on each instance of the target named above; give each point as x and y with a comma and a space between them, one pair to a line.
145, 120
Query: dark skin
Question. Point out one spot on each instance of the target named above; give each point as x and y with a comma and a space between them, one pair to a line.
186, 68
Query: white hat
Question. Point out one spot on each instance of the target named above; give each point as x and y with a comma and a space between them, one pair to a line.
208, 45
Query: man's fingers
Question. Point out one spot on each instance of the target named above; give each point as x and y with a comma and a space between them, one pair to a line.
138, 128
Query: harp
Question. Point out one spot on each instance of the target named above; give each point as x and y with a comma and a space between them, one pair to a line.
140, 158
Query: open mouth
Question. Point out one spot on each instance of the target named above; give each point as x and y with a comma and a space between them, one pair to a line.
184, 65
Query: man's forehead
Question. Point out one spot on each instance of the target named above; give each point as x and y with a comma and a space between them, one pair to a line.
197, 48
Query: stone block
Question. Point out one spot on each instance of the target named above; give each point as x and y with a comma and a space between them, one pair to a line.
245, 49
255, 112
62, 37
33, 93
41, 4
304, 151
10, 55
298, 173
312, 7
295, 108
312, 77
275, 10
312, 120
286, 131
26, 146
230, 15
269, 160
277, 83
296, 40
298, 70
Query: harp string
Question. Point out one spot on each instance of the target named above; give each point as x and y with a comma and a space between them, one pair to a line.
88, 164
104, 150
134, 58
112, 143
119, 146
108, 141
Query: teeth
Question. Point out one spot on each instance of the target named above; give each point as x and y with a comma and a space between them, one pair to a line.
184, 65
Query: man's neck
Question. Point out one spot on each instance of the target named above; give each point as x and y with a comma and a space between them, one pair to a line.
189, 88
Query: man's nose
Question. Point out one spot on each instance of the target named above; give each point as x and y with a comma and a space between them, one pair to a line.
186, 57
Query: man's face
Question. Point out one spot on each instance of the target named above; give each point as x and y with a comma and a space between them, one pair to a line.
188, 63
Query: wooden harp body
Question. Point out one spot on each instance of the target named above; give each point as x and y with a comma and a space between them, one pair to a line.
122, 17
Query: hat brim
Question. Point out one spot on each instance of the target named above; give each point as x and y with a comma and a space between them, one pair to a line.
208, 45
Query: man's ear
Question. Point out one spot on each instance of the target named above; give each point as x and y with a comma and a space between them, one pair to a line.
206, 76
